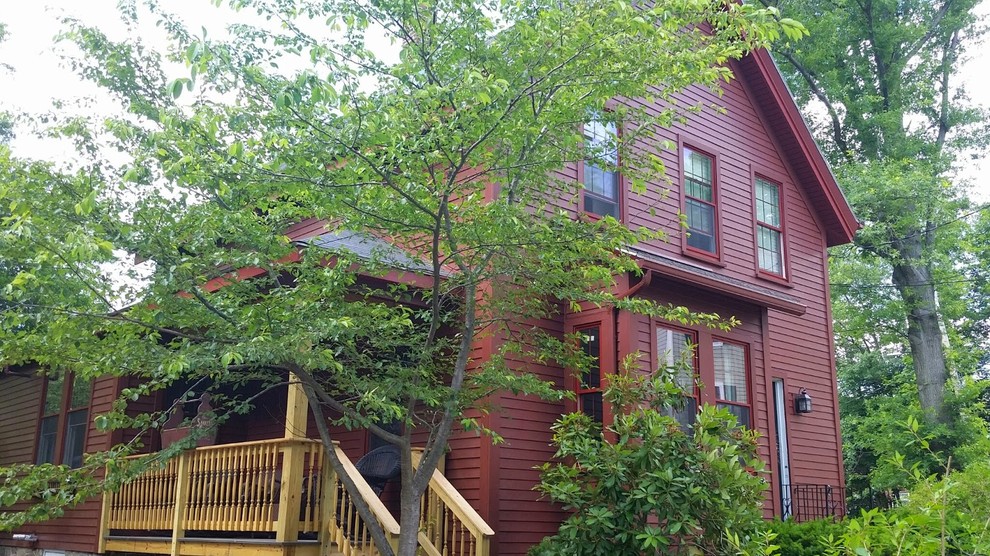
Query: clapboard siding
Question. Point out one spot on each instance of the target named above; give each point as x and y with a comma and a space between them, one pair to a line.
20, 407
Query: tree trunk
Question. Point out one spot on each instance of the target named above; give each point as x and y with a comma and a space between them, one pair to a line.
409, 520
914, 282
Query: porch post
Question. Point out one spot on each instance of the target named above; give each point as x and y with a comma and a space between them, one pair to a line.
101, 546
296, 409
293, 460
182, 479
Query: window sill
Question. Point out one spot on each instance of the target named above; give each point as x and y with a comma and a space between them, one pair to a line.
703, 256
774, 278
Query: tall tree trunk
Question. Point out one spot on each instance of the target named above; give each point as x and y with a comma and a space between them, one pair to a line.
409, 520
913, 279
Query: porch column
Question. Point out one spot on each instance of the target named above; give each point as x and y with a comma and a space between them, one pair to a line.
296, 409
293, 456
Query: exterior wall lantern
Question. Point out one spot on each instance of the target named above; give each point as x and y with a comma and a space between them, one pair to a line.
802, 402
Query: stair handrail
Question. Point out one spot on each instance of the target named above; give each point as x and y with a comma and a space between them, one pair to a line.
384, 517
457, 504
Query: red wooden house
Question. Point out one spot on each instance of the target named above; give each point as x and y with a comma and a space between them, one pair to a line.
762, 208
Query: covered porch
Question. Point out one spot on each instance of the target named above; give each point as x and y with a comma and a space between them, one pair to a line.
274, 497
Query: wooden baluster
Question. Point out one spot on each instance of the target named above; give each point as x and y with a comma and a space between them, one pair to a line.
229, 462
249, 492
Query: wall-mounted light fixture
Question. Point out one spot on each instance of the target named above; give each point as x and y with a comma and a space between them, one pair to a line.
802, 402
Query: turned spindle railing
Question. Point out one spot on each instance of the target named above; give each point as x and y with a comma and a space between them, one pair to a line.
230, 487
286, 487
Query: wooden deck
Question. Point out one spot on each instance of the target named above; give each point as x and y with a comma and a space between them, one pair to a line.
218, 500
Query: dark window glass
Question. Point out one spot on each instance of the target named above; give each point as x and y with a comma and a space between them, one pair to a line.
46, 439
589, 391
591, 345
699, 200
75, 437
82, 389
740, 411
53, 394
601, 185
591, 405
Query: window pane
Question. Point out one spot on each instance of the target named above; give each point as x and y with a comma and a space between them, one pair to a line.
675, 350
601, 184
591, 345
591, 405
53, 394
767, 203
75, 436
599, 137
740, 411
46, 439
730, 372
701, 225
698, 168
769, 248
601, 207
685, 415
81, 391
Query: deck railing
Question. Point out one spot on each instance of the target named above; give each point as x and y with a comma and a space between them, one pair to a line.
449, 525
230, 487
347, 529
281, 486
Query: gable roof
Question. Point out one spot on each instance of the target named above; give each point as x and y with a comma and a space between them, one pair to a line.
813, 173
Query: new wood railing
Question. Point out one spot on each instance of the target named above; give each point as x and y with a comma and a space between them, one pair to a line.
282, 486
347, 529
230, 487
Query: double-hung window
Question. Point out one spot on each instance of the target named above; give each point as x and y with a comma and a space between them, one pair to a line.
700, 202
731, 379
708, 369
65, 418
769, 228
676, 350
589, 390
600, 177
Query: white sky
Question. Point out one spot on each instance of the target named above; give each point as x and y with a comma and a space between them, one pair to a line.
39, 77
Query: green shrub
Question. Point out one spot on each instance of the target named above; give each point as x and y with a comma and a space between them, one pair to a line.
805, 539
645, 486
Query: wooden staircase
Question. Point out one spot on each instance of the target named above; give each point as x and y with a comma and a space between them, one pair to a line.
273, 497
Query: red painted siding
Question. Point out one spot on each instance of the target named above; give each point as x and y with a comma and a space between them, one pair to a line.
78, 528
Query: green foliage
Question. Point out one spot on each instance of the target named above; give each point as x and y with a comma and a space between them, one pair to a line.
944, 513
807, 538
897, 123
442, 160
645, 486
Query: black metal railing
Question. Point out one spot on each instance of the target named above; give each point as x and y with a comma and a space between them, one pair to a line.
804, 502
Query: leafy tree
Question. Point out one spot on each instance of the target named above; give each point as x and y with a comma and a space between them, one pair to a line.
879, 79
645, 485
442, 161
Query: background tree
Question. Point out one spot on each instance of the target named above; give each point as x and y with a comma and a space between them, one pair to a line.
878, 79
442, 160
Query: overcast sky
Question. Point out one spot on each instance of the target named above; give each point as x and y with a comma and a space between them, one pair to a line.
39, 77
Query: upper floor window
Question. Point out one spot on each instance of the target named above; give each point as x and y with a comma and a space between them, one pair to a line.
62, 434
589, 389
600, 178
732, 379
769, 228
676, 351
700, 201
